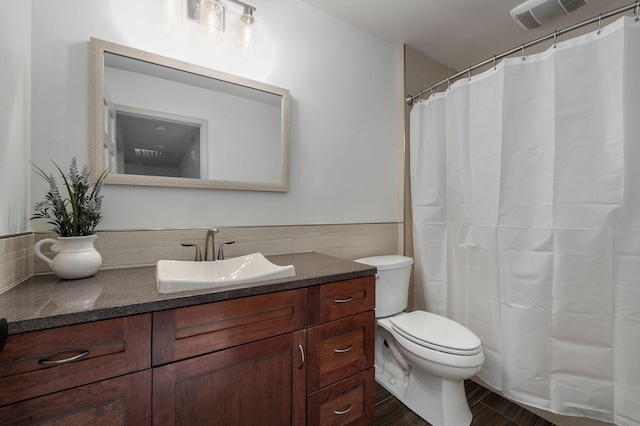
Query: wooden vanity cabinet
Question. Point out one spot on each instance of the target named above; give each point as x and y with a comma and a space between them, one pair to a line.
341, 344
294, 357
68, 375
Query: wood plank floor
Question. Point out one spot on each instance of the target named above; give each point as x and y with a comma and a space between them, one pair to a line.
488, 409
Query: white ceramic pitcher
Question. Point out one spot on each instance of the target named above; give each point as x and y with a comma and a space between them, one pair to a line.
76, 256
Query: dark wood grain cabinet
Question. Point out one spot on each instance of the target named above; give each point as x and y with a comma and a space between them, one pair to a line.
71, 375
123, 400
195, 330
295, 357
347, 402
257, 383
235, 362
341, 344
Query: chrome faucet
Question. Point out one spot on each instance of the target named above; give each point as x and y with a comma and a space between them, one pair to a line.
210, 235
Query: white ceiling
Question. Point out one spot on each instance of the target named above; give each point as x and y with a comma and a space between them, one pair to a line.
456, 33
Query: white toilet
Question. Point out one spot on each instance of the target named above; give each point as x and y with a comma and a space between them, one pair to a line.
421, 358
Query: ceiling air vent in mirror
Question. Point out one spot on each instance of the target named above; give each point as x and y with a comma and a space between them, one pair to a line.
157, 155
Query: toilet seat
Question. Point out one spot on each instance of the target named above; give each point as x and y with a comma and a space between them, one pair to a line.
436, 332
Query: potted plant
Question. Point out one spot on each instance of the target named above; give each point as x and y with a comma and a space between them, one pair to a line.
74, 212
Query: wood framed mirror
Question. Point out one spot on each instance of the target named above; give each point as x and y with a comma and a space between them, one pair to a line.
158, 121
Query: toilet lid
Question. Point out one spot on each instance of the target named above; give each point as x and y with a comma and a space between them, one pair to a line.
386, 262
436, 332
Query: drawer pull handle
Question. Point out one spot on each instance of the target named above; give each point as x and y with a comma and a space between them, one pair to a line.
341, 351
339, 413
343, 300
302, 357
65, 360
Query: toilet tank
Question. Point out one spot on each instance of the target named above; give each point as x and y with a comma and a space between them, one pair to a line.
392, 283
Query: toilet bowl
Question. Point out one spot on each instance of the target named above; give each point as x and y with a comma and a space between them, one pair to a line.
420, 357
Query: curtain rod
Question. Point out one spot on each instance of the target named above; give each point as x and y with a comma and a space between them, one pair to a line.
635, 5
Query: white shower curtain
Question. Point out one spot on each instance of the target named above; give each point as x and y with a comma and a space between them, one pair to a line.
526, 208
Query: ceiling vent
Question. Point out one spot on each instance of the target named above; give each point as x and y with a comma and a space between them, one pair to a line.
157, 155
536, 13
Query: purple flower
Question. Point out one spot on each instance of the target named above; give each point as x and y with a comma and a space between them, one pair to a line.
53, 186
99, 201
85, 174
73, 171
41, 205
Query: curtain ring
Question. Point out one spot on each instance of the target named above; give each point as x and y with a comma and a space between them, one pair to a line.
494, 62
523, 58
469, 73
431, 90
448, 83
599, 24
555, 38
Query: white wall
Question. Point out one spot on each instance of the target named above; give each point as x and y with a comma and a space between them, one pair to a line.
15, 102
344, 120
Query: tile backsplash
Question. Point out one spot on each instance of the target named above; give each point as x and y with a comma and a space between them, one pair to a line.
145, 247
16, 260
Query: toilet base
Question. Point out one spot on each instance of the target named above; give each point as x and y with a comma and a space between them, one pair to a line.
440, 402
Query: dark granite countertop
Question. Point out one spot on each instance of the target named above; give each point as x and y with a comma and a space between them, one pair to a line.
45, 301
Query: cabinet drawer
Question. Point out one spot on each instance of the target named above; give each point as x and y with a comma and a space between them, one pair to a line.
195, 330
43, 362
338, 300
348, 402
339, 349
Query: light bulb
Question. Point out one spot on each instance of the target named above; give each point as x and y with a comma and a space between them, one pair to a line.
213, 20
247, 31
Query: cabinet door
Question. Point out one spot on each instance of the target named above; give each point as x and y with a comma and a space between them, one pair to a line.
119, 401
339, 349
257, 383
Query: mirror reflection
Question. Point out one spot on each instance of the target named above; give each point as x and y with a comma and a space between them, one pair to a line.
168, 123
151, 143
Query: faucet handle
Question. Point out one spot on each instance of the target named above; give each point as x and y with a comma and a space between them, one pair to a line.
198, 257
221, 249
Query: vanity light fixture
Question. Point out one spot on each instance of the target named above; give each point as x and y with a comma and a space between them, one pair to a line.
211, 14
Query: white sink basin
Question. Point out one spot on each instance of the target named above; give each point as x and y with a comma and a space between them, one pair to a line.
178, 275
